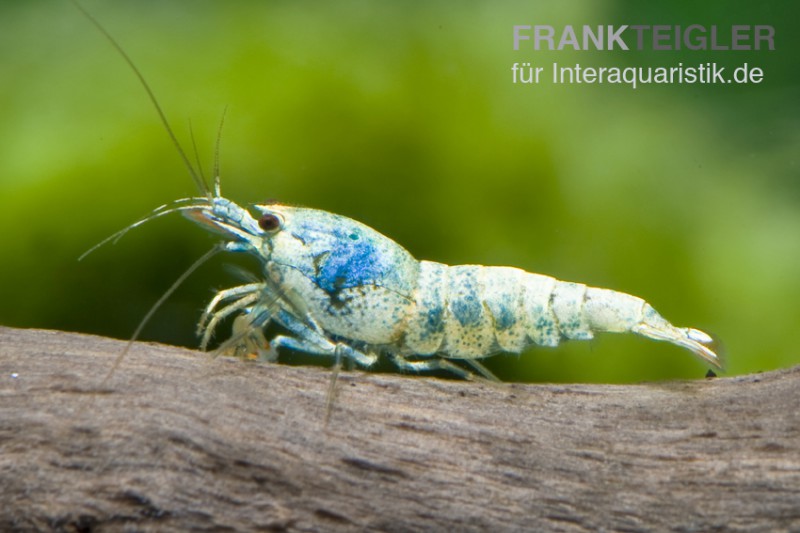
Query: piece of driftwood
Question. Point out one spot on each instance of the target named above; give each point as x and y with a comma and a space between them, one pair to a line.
177, 440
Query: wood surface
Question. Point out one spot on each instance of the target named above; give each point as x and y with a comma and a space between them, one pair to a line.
177, 440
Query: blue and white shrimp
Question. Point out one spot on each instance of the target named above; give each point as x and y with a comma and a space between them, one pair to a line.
342, 290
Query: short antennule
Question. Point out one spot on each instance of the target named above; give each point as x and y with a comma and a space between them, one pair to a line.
198, 180
217, 186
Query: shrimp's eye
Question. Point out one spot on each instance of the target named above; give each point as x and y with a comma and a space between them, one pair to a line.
269, 222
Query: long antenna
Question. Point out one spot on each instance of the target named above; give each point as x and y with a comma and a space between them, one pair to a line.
206, 256
201, 185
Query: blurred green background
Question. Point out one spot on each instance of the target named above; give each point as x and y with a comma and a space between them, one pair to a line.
402, 115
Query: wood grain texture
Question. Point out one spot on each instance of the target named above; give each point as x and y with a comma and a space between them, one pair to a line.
178, 440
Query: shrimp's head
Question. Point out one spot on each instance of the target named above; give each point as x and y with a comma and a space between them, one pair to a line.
245, 232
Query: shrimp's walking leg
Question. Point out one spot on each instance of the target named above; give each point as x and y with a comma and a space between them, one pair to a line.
482, 370
431, 364
227, 294
441, 363
311, 341
217, 316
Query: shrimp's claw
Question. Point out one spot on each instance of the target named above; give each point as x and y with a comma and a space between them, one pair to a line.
698, 342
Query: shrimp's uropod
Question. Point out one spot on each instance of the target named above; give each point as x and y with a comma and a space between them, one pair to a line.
342, 290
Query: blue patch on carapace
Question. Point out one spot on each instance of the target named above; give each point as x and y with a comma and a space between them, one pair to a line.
351, 260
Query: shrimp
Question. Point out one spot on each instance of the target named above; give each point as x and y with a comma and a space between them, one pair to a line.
343, 290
